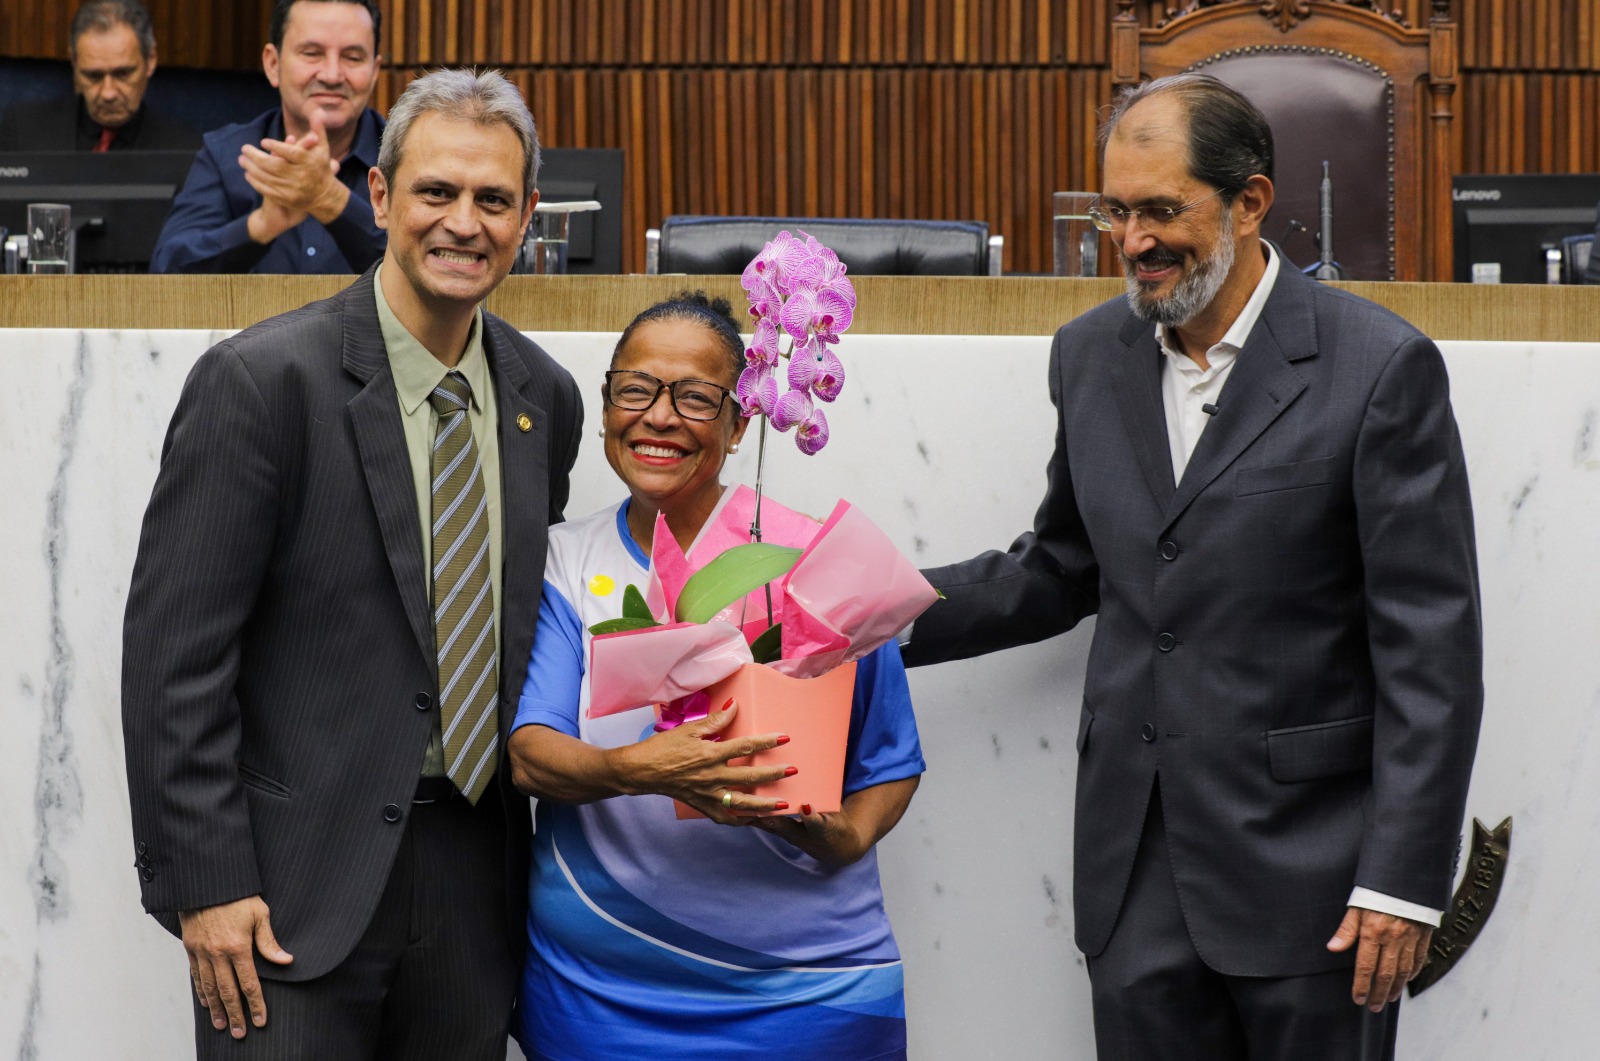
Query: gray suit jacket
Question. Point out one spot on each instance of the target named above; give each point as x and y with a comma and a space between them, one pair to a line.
1290, 635
278, 642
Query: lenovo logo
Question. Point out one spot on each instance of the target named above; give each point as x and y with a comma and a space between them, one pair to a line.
9, 172
1475, 195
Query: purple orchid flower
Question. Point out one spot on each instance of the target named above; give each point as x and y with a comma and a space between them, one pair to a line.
764, 344
822, 270
815, 366
803, 363
829, 378
797, 287
757, 390
775, 266
765, 302
813, 433
791, 409
823, 312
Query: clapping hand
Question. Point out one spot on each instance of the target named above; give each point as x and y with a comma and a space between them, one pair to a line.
296, 178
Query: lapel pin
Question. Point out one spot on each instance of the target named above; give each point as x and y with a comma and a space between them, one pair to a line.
524, 422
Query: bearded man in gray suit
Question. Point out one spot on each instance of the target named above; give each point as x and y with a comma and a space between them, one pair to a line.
1259, 489
330, 618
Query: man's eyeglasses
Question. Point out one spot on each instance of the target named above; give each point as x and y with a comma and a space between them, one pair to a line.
1110, 216
692, 399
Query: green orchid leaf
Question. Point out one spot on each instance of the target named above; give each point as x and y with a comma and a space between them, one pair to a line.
633, 605
617, 626
769, 645
730, 576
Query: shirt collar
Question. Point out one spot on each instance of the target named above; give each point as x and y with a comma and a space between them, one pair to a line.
1234, 338
124, 134
416, 371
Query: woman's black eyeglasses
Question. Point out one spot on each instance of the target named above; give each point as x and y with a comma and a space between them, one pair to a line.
692, 399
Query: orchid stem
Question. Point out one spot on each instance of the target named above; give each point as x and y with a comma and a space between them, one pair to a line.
755, 524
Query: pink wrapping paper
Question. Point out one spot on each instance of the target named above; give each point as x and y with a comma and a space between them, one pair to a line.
850, 592
629, 670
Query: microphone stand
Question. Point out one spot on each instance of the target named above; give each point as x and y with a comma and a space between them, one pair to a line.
1327, 268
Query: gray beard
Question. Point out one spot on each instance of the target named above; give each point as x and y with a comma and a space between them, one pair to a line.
1194, 290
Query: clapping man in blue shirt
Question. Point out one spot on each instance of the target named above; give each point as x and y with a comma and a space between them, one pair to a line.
287, 191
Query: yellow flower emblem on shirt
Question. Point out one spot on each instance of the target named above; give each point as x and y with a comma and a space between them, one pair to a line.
602, 585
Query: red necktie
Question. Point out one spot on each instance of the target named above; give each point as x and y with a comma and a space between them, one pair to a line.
106, 136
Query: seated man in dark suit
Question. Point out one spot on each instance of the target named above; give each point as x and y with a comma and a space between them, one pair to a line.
113, 50
287, 191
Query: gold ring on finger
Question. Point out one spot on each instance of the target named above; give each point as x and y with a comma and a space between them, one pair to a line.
727, 799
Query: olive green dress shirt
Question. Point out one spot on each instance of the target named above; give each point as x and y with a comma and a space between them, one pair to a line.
416, 373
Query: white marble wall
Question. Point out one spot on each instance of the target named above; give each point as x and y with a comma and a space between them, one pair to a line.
941, 440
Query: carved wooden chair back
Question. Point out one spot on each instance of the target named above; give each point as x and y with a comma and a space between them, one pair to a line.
1345, 81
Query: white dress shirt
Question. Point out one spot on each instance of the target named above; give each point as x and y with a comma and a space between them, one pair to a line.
1186, 391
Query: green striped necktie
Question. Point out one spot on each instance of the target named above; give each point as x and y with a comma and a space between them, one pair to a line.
463, 599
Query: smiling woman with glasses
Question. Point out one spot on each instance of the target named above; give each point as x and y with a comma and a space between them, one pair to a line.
777, 923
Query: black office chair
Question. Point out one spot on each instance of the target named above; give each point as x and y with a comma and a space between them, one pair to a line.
1575, 257
868, 247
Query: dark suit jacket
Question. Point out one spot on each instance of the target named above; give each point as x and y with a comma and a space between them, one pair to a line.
278, 641
1290, 635
55, 124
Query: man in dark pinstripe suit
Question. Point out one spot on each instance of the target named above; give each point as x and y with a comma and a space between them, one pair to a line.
306, 809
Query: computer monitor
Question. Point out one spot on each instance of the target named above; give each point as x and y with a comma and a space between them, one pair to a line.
119, 199
1514, 219
573, 174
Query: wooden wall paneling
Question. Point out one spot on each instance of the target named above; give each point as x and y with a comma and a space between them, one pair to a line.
190, 33
892, 305
1034, 152
485, 14
1546, 127
1514, 129
817, 142
658, 164
1499, 50
451, 16
1008, 136
1586, 42
862, 96
721, 135
843, 168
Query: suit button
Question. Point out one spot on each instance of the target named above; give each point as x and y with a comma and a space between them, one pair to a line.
424, 701
1148, 732
1169, 550
391, 813
141, 847
1166, 642
148, 874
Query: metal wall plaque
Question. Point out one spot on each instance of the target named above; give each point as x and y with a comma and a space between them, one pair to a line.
1473, 903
